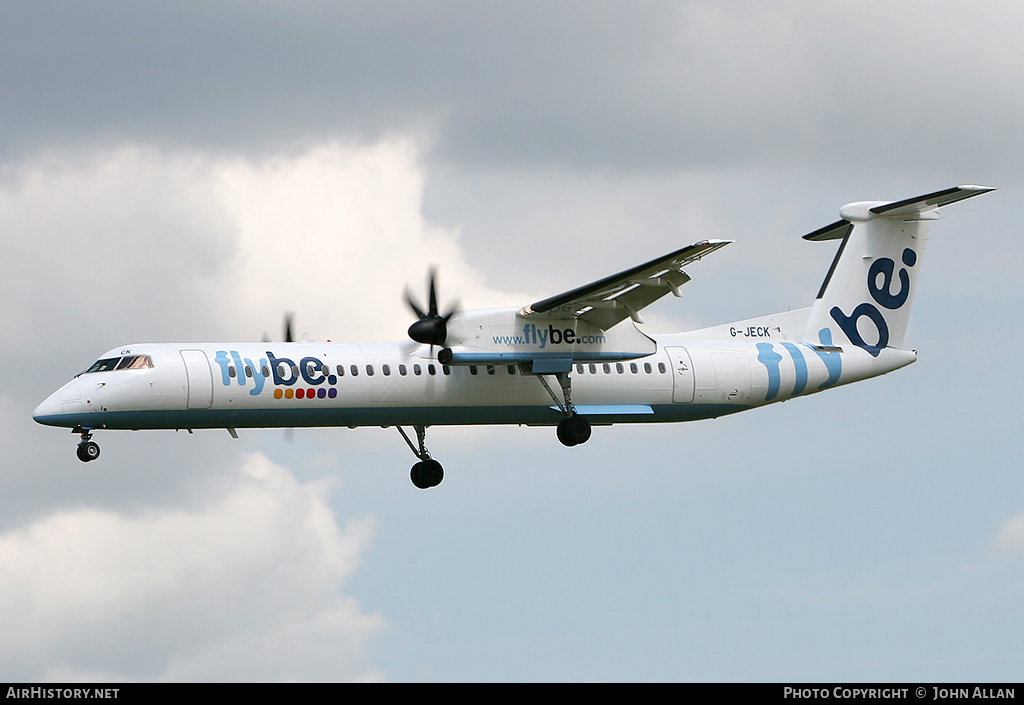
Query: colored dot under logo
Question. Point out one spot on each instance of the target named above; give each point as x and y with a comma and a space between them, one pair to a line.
302, 393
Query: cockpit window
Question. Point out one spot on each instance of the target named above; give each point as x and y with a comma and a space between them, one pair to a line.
131, 362
135, 362
104, 365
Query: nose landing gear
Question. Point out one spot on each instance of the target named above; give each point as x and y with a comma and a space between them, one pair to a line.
88, 450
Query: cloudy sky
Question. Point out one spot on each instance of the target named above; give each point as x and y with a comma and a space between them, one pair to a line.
189, 171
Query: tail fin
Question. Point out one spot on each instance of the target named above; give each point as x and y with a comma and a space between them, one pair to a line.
866, 296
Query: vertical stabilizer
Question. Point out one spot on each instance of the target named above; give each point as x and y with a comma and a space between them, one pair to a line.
866, 296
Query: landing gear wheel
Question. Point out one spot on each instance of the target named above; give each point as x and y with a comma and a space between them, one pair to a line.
573, 430
426, 474
88, 451
564, 435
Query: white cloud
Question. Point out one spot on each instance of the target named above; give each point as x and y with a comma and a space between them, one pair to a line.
247, 586
335, 235
1010, 538
107, 239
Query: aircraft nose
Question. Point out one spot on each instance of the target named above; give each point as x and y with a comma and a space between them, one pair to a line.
46, 412
53, 411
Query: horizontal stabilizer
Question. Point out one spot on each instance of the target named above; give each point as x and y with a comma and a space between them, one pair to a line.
859, 212
930, 201
836, 231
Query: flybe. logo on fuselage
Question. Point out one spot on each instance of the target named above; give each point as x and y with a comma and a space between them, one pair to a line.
238, 370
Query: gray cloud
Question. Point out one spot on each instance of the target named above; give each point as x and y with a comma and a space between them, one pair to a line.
585, 85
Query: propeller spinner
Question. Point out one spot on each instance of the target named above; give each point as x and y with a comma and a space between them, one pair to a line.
432, 327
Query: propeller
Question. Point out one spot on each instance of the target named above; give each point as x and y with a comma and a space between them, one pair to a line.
431, 328
288, 316
289, 433
288, 327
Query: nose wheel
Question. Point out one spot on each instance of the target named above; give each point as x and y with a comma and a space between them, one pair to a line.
88, 450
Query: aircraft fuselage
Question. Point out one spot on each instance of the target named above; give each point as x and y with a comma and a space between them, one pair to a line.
249, 385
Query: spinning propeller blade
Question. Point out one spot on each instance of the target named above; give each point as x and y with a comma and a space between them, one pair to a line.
431, 328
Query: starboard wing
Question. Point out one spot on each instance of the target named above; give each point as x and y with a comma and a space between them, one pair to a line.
608, 301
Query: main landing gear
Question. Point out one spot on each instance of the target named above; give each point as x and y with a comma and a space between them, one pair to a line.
427, 472
88, 450
573, 429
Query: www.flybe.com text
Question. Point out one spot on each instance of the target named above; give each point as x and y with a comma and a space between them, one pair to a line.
542, 337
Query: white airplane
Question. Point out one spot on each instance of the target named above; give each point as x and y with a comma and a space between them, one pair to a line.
570, 361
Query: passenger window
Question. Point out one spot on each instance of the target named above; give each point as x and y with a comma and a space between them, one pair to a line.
579, 369
431, 370
341, 370
354, 370
593, 369
417, 370
490, 369
607, 368
619, 368
402, 370
661, 367
472, 369
647, 367
369, 370
446, 369
632, 367
264, 371
511, 369
248, 371
386, 369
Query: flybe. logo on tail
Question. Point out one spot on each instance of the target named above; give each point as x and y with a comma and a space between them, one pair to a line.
880, 277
